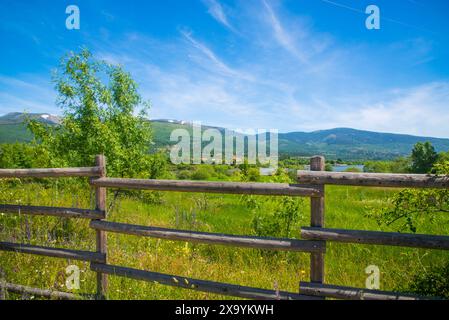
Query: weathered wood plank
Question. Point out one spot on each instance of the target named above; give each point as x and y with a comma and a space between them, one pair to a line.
374, 179
101, 237
2, 285
52, 252
211, 238
274, 189
50, 294
52, 211
199, 285
377, 237
349, 293
50, 172
317, 220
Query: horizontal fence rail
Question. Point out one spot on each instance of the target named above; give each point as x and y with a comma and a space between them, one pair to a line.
51, 172
272, 189
313, 239
377, 237
199, 285
373, 179
52, 252
52, 211
46, 293
349, 293
211, 238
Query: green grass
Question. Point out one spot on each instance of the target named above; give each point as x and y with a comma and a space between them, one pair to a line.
345, 263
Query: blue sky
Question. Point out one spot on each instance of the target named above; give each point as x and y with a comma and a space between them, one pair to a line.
291, 65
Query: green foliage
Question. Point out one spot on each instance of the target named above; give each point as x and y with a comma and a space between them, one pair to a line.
275, 216
442, 168
157, 165
184, 175
279, 223
423, 157
253, 174
410, 205
244, 168
399, 165
283, 176
203, 172
352, 169
249, 172
21, 155
433, 282
99, 101
286, 161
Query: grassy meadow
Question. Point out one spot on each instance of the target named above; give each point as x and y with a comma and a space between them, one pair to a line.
345, 263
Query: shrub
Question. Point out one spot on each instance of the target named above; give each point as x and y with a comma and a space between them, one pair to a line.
201, 173
253, 174
433, 282
281, 221
184, 175
409, 206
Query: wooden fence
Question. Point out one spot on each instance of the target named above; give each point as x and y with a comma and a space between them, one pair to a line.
310, 184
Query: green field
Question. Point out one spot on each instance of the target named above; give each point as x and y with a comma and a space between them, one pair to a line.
345, 263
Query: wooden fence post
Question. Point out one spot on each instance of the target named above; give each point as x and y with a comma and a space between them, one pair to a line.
2, 285
317, 220
100, 204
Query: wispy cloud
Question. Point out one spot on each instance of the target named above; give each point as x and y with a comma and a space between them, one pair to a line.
281, 35
218, 64
419, 110
216, 10
281, 71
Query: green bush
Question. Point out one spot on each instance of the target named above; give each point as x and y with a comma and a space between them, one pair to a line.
203, 173
433, 282
21, 155
184, 175
253, 174
281, 222
410, 207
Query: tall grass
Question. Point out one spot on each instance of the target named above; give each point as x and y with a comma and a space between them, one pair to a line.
345, 263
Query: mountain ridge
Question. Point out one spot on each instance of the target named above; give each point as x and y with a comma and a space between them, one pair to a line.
343, 143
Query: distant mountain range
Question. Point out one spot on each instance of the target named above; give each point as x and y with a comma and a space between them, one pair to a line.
343, 143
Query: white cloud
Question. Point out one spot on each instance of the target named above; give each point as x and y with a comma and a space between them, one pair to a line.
216, 10
206, 51
281, 35
420, 110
